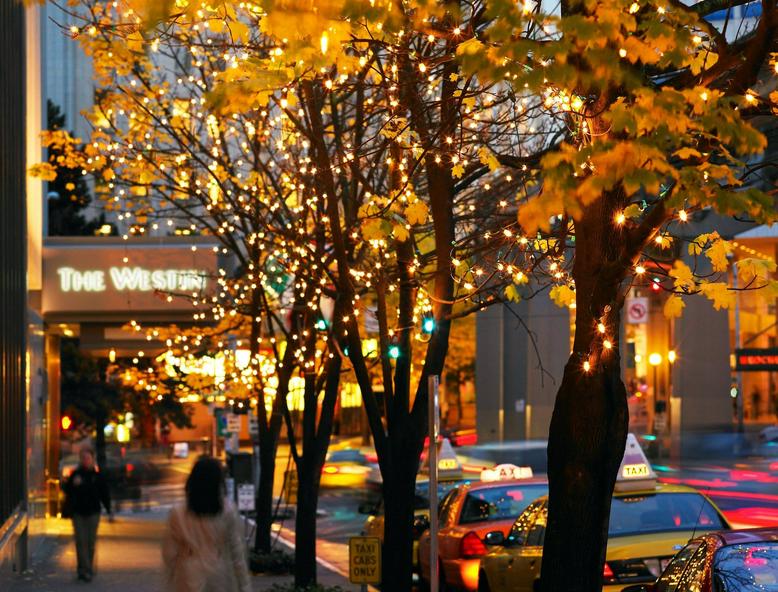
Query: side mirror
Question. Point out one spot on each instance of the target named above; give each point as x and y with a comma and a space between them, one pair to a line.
421, 523
368, 509
494, 538
639, 588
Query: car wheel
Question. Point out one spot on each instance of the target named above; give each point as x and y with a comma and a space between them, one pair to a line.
483, 583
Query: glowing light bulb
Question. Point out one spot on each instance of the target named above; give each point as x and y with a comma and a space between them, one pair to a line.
601, 327
587, 366
640, 270
683, 216
620, 218
324, 42
607, 344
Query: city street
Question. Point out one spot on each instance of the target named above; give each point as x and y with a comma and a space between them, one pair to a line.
465, 295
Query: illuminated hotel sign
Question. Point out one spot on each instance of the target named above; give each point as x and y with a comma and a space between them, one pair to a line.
103, 278
755, 359
132, 278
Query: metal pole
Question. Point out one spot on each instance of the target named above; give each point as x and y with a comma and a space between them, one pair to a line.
434, 428
738, 345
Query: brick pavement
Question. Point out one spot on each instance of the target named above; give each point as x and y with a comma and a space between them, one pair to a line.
128, 559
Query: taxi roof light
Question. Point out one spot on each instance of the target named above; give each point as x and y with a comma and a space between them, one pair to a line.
449, 467
505, 472
635, 472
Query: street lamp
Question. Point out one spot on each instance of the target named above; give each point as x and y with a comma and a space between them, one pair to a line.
655, 359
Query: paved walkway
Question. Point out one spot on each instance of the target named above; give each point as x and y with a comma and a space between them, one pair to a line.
128, 559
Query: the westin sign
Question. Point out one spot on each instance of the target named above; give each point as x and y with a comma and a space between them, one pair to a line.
104, 276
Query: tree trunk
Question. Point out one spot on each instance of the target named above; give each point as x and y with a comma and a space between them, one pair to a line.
589, 424
585, 447
264, 499
397, 556
305, 524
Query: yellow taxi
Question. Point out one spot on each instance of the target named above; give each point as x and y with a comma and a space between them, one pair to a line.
467, 513
649, 524
346, 468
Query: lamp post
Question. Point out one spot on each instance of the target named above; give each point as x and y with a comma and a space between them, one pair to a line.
654, 359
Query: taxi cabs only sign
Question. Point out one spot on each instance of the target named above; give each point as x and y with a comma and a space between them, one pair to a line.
364, 560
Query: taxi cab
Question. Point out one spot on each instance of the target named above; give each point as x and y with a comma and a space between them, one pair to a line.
649, 523
467, 513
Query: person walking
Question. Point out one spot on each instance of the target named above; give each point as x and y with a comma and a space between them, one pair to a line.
85, 490
202, 548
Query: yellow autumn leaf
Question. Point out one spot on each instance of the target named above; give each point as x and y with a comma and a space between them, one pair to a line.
719, 294
43, 171
717, 253
458, 171
512, 294
488, 158
673, 307
417, 212
632, 211
400, 232
108, 175
562, 295
684, 278
373, 230
751, 268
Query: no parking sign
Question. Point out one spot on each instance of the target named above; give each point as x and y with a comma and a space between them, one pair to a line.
637, 310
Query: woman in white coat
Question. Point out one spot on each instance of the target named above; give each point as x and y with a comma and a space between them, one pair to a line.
202, 549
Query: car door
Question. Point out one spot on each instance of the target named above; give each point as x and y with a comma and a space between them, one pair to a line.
524, 569
500, 564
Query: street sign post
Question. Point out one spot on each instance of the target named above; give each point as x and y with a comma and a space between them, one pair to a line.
434, 428
364, 560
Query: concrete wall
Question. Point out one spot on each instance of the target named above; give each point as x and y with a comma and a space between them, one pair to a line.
515, 383
702, 376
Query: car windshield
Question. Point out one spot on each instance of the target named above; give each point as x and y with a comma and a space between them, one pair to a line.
346, 456
422, 500
747, 568
662, 512
499, 503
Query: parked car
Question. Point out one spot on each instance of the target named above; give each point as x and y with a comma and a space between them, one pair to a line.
727, 561
467, 513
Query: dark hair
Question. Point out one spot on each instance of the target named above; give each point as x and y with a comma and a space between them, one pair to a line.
205, 487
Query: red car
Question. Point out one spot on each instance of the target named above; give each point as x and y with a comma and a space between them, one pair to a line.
727, 561
466, 514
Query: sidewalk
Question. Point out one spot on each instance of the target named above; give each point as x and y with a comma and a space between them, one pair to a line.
128, 560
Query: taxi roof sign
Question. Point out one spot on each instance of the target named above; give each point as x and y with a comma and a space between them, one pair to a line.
449, 466
635, 472
506, 471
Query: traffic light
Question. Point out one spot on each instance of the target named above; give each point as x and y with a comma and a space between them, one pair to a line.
66, 422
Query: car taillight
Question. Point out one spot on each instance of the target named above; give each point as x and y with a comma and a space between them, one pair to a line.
472, 545
130, 467
607, 574
330, 470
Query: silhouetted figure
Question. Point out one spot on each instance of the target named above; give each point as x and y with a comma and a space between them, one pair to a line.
85, 490
202, 549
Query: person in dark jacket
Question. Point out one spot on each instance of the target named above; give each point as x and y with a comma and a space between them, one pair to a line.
85, 490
